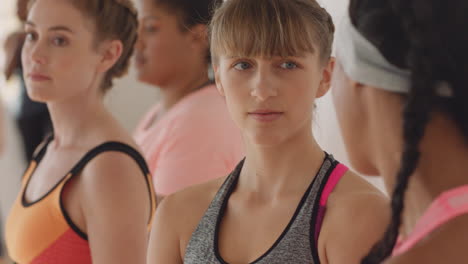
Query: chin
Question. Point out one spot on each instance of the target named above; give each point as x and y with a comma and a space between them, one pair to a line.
40, 97
146, 78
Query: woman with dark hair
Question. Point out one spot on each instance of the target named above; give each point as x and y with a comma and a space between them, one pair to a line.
400, 89
187, 137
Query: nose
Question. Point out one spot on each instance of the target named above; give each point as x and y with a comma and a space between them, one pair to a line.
140, 43
263, 86
35, 52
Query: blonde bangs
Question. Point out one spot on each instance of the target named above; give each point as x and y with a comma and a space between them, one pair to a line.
264, 28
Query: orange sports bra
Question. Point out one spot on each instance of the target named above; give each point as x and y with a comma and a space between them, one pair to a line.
41, 232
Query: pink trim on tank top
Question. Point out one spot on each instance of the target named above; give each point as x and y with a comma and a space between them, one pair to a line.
333, 180
447, 206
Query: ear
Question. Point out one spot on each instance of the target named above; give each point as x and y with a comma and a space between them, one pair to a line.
219, 85
199, 35
325, 83
110, 53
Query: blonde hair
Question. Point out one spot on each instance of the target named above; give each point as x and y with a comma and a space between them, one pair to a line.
268, 28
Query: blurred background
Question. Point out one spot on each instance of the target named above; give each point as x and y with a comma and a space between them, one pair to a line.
128, 101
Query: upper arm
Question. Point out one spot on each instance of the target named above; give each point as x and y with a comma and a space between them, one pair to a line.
164, 244
116, 207
354, 226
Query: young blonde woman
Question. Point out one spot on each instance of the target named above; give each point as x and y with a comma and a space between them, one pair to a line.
288, 201
86, 196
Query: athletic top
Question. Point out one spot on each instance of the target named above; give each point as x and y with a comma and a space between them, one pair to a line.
42, 232
447, 206
297, 243
194, 142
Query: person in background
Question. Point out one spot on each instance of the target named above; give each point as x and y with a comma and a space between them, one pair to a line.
188, 137
401, 93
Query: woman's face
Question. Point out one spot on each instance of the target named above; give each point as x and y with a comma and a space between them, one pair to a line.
272, 99
60, 58
163, 49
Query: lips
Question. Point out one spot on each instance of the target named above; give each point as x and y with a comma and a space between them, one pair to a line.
266, 115
38, 77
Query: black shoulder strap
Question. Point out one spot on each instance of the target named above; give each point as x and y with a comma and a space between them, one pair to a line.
111, 146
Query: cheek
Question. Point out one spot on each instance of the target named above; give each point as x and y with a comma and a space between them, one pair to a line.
80, 67
26, 60
237, 96
166, 48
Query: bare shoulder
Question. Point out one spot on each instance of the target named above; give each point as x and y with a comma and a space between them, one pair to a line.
447, 244
358, 201
184, 209
356, 210
354, 189
113, 168
117, 177
190, 204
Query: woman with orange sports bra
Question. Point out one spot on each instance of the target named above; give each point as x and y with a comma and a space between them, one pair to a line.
400, 90
87, 194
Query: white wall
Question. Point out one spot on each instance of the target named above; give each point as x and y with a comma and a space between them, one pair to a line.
130, 99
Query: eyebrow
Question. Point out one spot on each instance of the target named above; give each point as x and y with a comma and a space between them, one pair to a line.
150, 18
54, 28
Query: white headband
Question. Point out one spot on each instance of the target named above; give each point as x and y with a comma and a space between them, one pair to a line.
364, 63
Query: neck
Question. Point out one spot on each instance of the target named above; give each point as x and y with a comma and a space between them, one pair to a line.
73, 116
442, 167
283, 168
174, 91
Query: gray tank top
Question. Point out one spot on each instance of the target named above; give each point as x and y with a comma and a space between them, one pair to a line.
297, 243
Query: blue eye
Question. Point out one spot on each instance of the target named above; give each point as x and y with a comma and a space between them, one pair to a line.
242, 66
59, 41
288, 65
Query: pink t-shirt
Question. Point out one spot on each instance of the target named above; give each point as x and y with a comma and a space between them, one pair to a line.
193, 142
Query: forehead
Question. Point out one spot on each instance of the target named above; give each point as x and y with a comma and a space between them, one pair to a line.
149, 8
52, 13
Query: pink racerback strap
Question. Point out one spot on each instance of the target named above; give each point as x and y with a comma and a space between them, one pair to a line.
333, 180
446, 207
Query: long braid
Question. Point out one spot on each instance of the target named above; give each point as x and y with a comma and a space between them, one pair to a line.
418, 107
431, 46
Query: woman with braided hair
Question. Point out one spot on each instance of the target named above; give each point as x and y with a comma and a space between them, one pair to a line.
400, 89
87, 194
